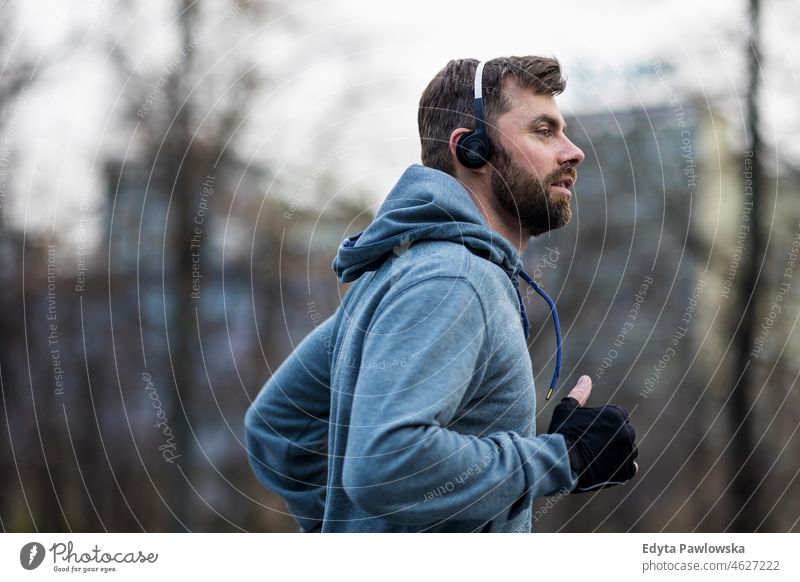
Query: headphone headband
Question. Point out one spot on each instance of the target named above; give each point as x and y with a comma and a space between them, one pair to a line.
479, 80
473, 148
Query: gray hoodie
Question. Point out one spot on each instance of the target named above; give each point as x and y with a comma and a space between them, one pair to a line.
412, 407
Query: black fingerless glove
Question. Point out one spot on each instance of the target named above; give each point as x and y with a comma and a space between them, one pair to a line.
600, 442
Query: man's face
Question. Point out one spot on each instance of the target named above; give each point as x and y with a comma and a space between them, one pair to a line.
533, 162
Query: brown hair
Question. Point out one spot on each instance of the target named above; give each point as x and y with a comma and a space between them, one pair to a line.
448, 101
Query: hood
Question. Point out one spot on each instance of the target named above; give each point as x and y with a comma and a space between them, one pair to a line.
425, 204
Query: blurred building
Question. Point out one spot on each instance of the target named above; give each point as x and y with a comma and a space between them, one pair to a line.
645, 278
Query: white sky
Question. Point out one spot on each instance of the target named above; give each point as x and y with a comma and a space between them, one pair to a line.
391, 50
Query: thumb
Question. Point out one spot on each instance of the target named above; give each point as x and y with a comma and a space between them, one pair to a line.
582, 390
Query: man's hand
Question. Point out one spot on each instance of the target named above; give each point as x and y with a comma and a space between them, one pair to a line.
601, 441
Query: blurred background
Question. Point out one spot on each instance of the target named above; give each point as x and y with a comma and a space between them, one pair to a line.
175, 177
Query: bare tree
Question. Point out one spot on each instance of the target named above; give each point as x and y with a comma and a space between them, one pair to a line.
17, 74
747, 466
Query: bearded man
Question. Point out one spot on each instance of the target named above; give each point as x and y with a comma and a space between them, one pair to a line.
412, 408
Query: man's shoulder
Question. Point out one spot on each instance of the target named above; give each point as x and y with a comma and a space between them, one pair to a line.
450, 258
441, 259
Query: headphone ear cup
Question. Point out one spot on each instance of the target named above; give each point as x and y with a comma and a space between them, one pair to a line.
472, 150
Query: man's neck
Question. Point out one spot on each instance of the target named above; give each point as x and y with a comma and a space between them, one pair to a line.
498, 220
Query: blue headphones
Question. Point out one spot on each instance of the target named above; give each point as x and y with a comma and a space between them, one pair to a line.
473, 149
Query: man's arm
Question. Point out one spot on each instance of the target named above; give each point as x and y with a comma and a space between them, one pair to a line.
286, 428
402, 462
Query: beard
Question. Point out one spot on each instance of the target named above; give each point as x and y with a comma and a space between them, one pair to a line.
526, 198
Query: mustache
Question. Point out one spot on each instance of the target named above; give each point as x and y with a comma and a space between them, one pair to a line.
561, 174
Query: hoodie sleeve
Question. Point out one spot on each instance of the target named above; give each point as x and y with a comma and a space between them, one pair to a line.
286, 428
402, 462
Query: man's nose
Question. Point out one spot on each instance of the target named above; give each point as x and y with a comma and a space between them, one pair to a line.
571, 154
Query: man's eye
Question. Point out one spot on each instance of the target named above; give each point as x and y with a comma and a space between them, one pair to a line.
544, 131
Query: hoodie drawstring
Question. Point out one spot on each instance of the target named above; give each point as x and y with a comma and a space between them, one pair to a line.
526, 326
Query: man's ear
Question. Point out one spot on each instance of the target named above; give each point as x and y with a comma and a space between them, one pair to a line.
454, 137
